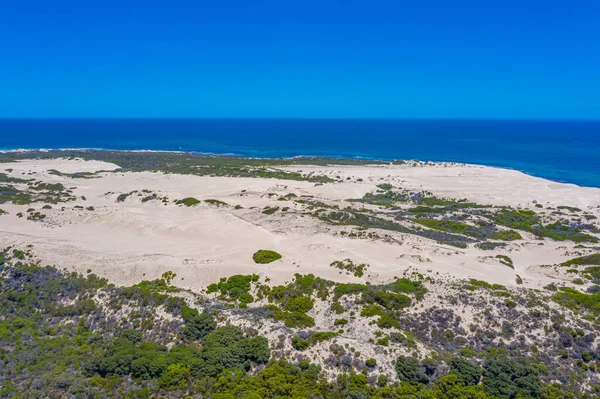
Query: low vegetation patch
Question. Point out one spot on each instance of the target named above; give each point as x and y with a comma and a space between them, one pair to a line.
189, 201
505, 260
527, 220
290, 319
579, 301
270, 210
122, 197
76, 175
264, 256
287, 197
36, 216
313, 338
386, 320
475, 284
358, 270
216, 202
583, 260
568, 208
479, 232
490, 245
351, 217
235, 288
26, 191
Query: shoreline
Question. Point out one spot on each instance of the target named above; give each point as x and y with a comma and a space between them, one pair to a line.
284, 158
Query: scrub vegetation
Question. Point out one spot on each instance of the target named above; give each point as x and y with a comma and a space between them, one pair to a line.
66, 335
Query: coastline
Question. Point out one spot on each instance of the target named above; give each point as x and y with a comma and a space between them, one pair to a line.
562, 151
29, 151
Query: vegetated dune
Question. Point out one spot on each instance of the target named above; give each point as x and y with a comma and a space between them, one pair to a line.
128, 226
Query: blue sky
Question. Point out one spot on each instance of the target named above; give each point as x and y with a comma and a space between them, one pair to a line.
360, 59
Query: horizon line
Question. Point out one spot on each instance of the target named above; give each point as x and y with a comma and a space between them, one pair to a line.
458, 119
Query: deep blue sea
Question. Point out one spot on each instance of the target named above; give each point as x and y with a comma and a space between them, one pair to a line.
565, 151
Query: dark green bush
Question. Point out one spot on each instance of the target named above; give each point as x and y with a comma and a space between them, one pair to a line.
408, 369
467, 372
269, 211
508, 378
315, 337
290, 319
197, 325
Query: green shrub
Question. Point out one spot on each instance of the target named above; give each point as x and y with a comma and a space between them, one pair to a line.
299, 344
123, 197
568, 208
474, 284
406, 286
314, 338
507, 378
358, 270
216, 202
469, 230
385, 320
408, 369
583, 260
290, 319
189, 201
337, 307
505, 260
505, 235
175, 376
467, 372
246, 298
510, 303
576, 300
388, 300
235, 286
197, 325
528, 220
348, 289
299, 304
265, 256
212, 288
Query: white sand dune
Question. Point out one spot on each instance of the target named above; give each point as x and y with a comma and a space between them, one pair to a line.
133, 240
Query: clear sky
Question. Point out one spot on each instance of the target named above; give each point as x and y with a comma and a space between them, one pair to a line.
361, 59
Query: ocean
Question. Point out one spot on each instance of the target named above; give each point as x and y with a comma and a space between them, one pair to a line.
564, 151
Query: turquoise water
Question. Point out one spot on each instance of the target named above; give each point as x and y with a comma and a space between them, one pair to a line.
565, 151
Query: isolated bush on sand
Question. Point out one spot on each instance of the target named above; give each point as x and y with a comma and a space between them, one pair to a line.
265, 256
